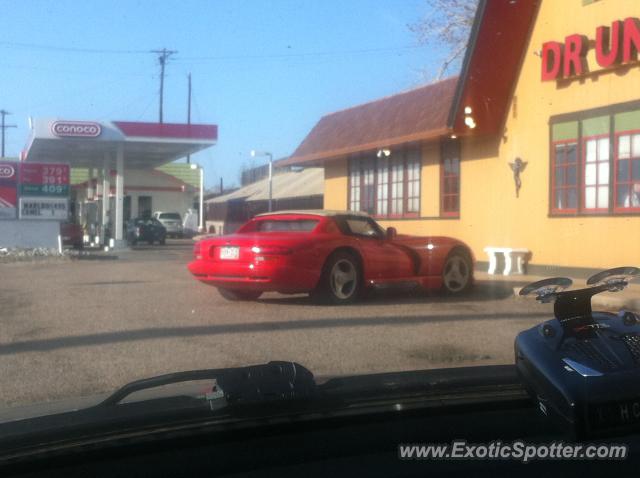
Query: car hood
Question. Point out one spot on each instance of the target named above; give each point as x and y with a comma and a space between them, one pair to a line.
356, 387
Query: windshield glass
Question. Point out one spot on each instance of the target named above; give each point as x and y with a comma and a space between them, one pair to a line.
358, 186
169, 215
285, 225
363, 227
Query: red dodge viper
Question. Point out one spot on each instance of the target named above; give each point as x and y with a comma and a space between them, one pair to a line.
334, 255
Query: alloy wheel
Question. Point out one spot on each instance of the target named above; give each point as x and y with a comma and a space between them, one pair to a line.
456, 273
343, 279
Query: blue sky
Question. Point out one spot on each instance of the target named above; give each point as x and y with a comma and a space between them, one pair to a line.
264, 71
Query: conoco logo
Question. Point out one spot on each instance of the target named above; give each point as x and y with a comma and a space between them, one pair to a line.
76, 128
6, 171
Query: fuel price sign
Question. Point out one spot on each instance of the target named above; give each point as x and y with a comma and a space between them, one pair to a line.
44, 191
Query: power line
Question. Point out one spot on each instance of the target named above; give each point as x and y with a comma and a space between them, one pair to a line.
211, 58
302, 55
163, 56
71, 49
3, 127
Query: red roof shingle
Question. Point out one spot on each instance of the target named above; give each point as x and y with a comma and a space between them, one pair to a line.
414, 115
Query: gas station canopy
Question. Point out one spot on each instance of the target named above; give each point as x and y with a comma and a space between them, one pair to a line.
84, 144
101, 146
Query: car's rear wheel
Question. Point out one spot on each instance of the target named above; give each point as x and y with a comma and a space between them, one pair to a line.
457, 273
235, 295
341, 280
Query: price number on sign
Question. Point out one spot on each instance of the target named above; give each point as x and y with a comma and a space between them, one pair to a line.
52, 189
54, 175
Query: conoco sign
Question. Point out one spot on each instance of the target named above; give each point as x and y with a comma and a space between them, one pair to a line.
614, 45
82, 129
7, 171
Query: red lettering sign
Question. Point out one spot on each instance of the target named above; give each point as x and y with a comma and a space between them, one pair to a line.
614, 45
608, 45
575, 52
551, 60
631, 40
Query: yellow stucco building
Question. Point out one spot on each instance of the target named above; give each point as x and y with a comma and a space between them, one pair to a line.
550, 89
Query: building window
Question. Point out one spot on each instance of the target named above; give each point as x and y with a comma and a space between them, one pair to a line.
413, 182
397, 187
450, 179
604, 148
596, 174
627, 172
382, 192
368, 198
354, 187
564, 182
386, 186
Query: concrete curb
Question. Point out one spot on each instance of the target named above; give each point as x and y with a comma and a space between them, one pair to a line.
606, 300
34, 259
56, 258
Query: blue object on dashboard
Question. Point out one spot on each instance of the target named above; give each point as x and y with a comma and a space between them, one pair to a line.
583, 367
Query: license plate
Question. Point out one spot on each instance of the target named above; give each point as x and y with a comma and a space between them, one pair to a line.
229, 252
615, 414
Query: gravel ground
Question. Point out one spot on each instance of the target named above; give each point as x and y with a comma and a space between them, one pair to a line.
82, 327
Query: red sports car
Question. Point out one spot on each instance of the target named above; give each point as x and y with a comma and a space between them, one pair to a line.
334, 255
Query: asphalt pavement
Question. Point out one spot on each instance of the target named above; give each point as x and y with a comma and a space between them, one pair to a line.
82, 327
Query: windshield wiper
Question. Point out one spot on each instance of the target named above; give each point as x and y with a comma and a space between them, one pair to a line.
271, 382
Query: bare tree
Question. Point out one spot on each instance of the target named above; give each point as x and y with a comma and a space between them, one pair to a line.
447, 23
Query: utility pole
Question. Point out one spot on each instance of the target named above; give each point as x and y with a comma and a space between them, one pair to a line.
163, 56
3, 127
189, 112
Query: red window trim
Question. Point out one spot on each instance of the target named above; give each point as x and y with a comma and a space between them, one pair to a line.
443, 213
617, 209
583, 168
578, 187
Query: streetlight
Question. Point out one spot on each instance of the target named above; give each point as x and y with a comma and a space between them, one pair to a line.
201, 209
255, 153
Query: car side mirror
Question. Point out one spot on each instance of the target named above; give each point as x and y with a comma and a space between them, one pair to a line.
391, 233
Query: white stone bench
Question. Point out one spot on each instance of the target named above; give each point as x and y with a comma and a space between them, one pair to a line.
510, 253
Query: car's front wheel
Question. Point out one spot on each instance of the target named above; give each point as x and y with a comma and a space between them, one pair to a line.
235, 295
341, 280
457, 274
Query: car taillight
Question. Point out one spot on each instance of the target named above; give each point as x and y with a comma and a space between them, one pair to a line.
269, 253
270, 250
197, 254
